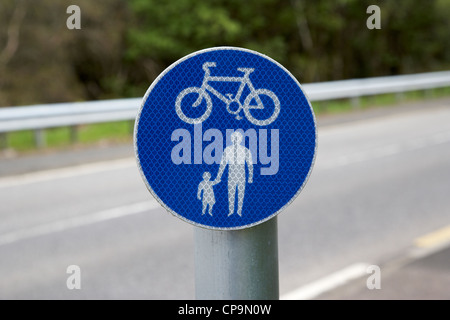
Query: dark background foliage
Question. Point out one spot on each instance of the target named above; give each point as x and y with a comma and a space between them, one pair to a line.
123, 45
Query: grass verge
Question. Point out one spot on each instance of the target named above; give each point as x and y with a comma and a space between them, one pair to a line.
111, 132
122, 131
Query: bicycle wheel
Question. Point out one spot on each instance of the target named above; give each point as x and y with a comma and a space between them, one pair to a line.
266, 119
201, 95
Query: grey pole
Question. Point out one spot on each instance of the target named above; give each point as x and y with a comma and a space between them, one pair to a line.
237, 264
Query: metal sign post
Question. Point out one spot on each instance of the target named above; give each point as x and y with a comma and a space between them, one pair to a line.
225, 139
237, 264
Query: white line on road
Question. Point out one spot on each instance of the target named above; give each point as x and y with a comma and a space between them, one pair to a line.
423, 247
327, 283
387, 150
330, 163
69, 172
73, 222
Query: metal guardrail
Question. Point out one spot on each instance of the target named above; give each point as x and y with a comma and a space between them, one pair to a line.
67, 114
355, 88
44, 116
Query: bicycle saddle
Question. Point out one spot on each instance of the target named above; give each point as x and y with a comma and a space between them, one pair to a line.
208, 65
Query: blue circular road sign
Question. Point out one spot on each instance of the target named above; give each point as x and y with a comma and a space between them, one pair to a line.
225, 138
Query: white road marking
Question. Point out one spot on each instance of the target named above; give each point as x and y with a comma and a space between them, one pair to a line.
327, 283
387, 150
47, 175
423, 247
78, 221
92, 168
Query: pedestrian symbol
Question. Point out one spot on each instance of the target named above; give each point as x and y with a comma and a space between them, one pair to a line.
236, 157
225, 138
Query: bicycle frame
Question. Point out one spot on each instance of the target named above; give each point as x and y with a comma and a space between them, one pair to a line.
244, 80
233, 104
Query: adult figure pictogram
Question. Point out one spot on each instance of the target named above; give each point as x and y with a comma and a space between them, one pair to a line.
236, 157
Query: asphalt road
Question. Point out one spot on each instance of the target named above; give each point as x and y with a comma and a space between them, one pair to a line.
380, 181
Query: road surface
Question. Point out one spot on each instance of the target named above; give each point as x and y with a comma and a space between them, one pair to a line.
380, 181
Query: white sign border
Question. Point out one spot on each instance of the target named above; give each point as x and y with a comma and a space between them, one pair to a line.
136, 125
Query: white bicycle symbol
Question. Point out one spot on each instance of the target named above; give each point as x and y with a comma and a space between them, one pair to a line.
234, 105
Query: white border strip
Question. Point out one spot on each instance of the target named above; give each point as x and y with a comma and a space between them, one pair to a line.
144, 101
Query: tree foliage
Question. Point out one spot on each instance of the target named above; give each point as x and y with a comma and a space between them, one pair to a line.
123, 45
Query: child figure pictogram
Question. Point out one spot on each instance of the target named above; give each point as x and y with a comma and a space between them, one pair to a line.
206, 187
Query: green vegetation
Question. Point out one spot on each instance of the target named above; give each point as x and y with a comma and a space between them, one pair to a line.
124, 44
122, 131
382, 100
113, 132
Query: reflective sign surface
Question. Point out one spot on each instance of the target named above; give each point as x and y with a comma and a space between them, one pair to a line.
225, 138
